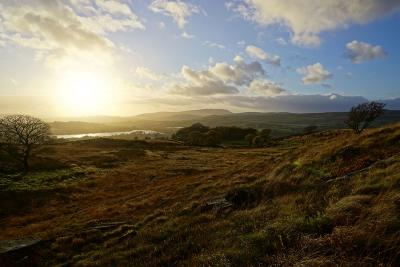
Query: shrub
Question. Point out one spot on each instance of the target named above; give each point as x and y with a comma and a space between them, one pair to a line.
183, 134
361, 116
258, 141
310, 129
200, 135
265, 133
249, 139
234, 133
244, 196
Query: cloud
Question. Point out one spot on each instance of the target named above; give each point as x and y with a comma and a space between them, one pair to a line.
143, 72
187, 35
280, 103
178, 10
295, 103
114, 7
102, 16
37, 105
359, 52
349, 75
58, 32
315, 73
280, 41
204, 89
219, 79
307, 19
265, 87
202, 83
213, 45
258, 53
333, 97
240, 73
161, 25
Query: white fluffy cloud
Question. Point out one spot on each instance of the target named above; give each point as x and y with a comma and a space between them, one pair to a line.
221, 78
266, 87
307, 19
58, 31
205, 89
146, 73
315, 73
201, 83
213, 45
114, 7
178, 10
258, 53
358, 52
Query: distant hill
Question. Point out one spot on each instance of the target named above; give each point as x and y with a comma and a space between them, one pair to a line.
290, 123
182, 115
79, 127
282, 124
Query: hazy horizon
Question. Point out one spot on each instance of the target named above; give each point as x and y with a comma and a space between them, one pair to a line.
73, 58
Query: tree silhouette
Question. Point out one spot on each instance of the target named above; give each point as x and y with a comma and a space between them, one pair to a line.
20, 134
361, 116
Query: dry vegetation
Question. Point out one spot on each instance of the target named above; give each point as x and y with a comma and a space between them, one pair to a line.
326, 199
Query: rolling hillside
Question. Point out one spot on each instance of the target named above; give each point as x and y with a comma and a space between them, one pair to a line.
282, 124
327, 199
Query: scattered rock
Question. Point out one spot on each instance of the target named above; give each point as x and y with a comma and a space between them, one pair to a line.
17, 244
217, 204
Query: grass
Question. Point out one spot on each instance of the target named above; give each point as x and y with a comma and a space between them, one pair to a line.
289, 204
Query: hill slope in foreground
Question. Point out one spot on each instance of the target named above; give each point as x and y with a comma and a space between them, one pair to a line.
327, 199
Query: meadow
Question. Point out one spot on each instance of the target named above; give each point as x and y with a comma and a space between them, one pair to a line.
330, 198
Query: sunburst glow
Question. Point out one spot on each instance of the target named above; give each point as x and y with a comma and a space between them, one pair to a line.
84, 92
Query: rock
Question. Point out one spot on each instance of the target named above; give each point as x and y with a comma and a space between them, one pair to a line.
7, 246
217, 204
19, 252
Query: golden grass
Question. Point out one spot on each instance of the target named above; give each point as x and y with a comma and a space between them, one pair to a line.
283, 211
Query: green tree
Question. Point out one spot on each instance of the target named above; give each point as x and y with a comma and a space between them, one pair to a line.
249, 139
265, 134
194, 138
212, 138
258, 141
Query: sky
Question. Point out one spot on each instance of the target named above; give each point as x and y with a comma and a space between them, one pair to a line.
109, 57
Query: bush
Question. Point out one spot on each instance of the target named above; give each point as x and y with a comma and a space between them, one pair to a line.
234, 133
310, 129
249, 139
361, 116
200, 135
265, 133
183, 134
244, 196
258, 141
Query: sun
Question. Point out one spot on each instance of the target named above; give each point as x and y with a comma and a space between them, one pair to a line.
84, 92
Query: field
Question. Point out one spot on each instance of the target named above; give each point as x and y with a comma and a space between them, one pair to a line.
331, 198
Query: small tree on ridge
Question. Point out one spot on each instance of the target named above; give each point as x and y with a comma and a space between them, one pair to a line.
361, 116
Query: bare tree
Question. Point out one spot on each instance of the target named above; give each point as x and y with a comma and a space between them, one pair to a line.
20, 134
361, 116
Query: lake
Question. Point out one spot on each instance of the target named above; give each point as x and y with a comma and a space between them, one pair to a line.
108, 134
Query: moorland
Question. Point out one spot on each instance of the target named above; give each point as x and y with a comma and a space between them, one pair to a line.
329, 198
281, 123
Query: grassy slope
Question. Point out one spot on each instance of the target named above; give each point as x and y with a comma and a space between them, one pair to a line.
320, 200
